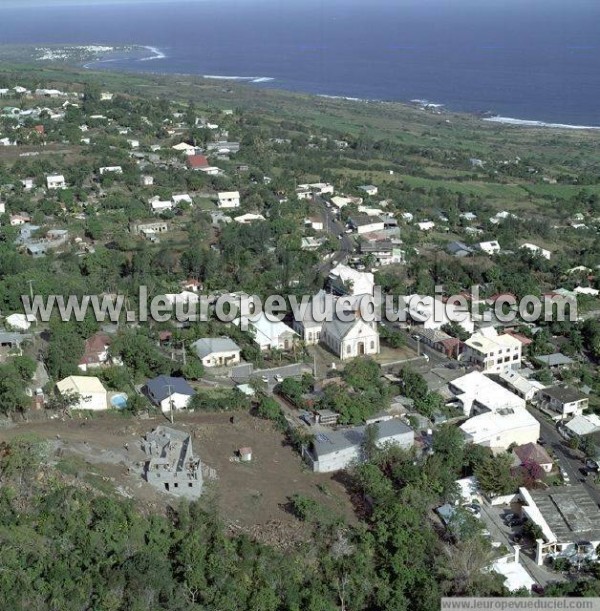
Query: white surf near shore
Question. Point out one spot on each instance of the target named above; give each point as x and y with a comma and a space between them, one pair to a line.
529, 123
156, 54
249, 79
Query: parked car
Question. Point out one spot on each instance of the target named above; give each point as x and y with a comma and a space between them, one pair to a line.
515, 522
507, 517
264, 379
564, 475
474, 508
592, 465
278, 378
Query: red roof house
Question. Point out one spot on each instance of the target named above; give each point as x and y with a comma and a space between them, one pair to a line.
195, 162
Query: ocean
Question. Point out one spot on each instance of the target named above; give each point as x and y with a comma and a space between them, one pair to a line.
531, 60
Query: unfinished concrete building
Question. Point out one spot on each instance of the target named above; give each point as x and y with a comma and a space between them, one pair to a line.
171, 464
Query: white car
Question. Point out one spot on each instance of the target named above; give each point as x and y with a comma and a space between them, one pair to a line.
278, 378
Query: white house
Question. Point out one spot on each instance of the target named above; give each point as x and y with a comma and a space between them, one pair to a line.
316, 188
489, 248
269, 334
477, 393
337, 450
246, 219
491, 352
28, 184
426, 225
20, 322
157, 205
498, 418
55, 182
184, 147
363, 223
147, 180
134, 144
347, 281
369, 189
523, 387
217, 351
537, 250
563, 401
169, 393
314, 222
340, 202
430, 313
182, 197
228, 199
112, 169
350, 338
92, 395
501, 429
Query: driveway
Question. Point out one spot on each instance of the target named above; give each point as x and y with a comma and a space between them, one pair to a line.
491, 517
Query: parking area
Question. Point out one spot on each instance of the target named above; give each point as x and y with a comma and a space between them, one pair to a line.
505, 525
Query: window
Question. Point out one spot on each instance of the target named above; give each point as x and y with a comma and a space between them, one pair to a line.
348, 349
516, 357
372, 345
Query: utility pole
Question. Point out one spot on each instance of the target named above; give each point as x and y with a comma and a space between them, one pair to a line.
183, 351
418, 346
169, 390
31, 298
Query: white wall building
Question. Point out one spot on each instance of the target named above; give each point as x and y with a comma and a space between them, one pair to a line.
347, 281
491, 352
55, 182
228, 199
349, 339
92, 395
537, 250
270, 334
489, 248
169, 393
477, 393
113, 169
217, 351
337, 450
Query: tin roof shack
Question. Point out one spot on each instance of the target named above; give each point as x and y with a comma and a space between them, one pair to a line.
171, 464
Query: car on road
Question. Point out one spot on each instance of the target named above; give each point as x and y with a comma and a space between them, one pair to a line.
264, 379
278, 378
416, 337
592, 465
564, 475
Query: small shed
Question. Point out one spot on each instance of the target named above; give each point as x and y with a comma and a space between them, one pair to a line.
245, 454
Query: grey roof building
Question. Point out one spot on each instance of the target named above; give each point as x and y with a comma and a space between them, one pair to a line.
158, 388
209, 347
459, 249
336, 450
568, 517
554, 360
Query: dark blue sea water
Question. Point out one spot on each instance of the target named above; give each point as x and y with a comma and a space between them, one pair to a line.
528, 59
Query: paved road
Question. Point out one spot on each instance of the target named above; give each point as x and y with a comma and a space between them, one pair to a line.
286, 371
436, 359
567, 459
333, 226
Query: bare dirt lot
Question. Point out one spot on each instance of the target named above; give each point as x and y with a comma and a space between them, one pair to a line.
249, 496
